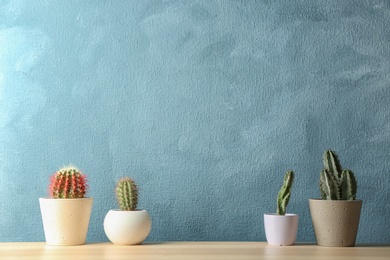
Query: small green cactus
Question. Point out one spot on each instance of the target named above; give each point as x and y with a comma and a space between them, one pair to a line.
68, 182
336, 183
285, 193
127, 194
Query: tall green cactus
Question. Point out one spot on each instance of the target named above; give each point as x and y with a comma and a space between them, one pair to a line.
332, 164
348, 185
68, 182
336, 183
329, 186
127, 194
285, 193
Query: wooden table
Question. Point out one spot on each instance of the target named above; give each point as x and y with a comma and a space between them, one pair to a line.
190, 250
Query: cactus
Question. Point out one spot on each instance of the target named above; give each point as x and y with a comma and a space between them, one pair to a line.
348, 185
336, 183
285, 193
127, 194
332, 164
68, 182
329, 186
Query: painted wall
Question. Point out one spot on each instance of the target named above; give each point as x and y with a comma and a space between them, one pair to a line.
204, 103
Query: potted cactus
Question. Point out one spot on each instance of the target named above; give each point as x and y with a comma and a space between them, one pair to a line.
281, 228
127, 225
66, 213
336, 215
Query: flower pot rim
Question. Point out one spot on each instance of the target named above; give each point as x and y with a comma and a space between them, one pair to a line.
59, 199
276, 215
119, 210
318, 199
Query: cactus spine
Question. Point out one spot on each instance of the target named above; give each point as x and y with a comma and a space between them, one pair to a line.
336, 183
285, 193
127, 194
68, 182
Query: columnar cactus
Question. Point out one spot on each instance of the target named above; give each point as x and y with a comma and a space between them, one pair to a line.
127, 194
285, 193
336, 183
68, 182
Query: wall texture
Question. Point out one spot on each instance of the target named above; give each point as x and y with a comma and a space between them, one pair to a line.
204, 103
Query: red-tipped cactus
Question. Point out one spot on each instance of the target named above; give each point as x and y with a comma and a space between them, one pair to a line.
67, 183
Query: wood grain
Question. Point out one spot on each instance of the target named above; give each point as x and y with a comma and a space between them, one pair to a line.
190, 250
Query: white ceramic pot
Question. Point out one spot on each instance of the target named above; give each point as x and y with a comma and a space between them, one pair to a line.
335, 222
127, 227
65, 221
281, 230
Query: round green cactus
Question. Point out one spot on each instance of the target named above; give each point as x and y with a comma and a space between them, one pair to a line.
127, 194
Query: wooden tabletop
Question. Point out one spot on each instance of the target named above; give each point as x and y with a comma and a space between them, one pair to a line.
190, 250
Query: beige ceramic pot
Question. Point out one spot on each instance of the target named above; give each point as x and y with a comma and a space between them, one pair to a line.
335, 222
65, 221
127, 227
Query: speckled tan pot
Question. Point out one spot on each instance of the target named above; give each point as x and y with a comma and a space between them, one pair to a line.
65, 221
335, 222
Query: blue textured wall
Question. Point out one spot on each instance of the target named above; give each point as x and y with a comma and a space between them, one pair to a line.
204, 103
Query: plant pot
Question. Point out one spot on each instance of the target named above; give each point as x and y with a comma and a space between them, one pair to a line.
281, 230
127, 227
65, 221
335, 222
